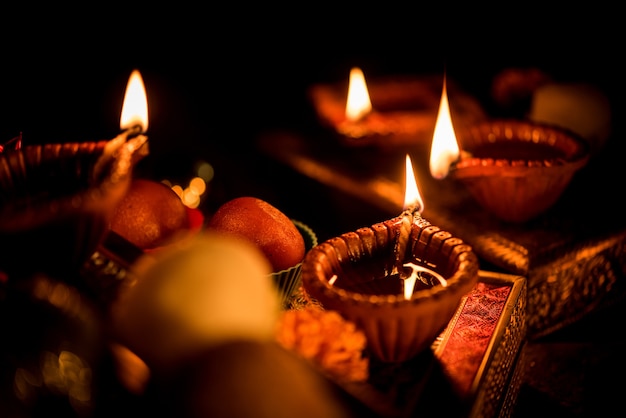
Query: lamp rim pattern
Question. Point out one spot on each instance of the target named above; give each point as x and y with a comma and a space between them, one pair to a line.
519, 183
397, 328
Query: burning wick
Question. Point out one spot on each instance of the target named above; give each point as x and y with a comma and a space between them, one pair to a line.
412, 214
408, 218
132, 131
133, 123
134, 116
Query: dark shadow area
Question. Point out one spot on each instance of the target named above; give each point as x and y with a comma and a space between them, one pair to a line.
216, 82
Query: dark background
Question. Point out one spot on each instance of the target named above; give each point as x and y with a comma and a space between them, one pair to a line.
218, 76
216, 79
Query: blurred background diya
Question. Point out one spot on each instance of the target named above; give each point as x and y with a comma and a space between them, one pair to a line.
56, 200
518, 169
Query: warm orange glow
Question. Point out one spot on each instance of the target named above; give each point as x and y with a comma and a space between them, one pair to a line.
412, 197
135, 107
191, 195
358, 103
445, 148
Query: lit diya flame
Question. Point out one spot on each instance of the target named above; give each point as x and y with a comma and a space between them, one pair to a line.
412, 199
133, 122
444, 148
135, 107
358, 103
413, 207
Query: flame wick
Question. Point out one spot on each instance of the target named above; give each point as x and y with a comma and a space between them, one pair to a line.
133, 131
402, 240
412, 198
414, 210
135, 105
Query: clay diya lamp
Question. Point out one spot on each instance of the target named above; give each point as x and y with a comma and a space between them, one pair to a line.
386, 112
400, 281
518, 169
56, 200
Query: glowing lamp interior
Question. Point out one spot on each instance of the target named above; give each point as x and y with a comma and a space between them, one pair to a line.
358, 103
135, 107
445, 148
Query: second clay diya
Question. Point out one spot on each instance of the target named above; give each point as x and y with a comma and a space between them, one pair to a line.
362, 275
518, 169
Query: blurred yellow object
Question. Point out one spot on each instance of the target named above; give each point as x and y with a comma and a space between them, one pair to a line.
192, 295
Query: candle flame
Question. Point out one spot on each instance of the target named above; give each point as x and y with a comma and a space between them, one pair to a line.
358, 103
412, 197
135, 107
444, 149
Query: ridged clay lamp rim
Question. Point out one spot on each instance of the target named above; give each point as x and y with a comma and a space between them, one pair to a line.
396, 328
522, 182
572, 149
104, 166
427, 240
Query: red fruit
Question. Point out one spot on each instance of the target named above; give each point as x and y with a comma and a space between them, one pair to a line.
150, 214
264, 225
